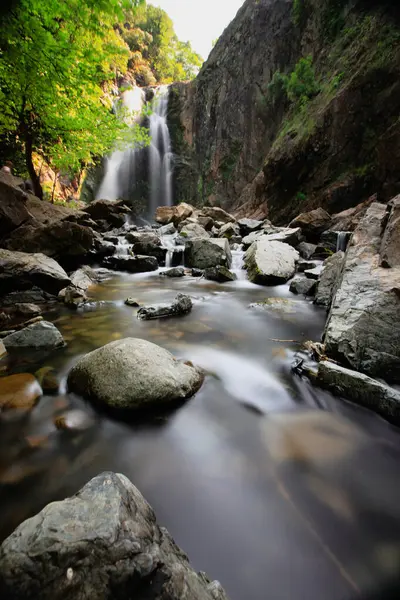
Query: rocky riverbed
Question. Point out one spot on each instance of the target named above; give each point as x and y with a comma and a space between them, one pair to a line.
176, 353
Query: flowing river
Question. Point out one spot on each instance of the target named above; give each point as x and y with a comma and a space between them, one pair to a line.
273, 487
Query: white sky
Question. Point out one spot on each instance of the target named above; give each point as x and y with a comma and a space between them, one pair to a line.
200, 21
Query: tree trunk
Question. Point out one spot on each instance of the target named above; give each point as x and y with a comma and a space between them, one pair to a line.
37, 188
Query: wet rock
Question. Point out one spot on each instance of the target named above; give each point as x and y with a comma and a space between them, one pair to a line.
306, 250
147, 244
182, 305
312, 223
143, 238
114, 239
21, 271
390, 247
206, 222
194, 231
132, 264
133, 374
107, 213
26, 309
218, 214
270, 263
132, 302
287, 236
48, 380
19, 391
74, 421
165, 214
73, 297
229, 231
329, 278
247, 226
167, 229
3, 350
105, 543
203, 254
83, 278
363, 328
304, 265
42, 335
219, 274
13, 211
182, 212
251, 238
197, 272
302, 285
314, 273
32, 296
359, 388
174, 272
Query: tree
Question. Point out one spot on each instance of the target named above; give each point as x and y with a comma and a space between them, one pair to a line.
57, 58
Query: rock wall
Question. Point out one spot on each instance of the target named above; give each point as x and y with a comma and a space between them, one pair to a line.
243, 148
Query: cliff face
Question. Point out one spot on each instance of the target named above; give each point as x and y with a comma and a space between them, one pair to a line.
259, 149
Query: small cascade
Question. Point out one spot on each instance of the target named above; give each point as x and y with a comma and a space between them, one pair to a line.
120, 167
342, 240
123, 247
174, 256
160, 163
238, 263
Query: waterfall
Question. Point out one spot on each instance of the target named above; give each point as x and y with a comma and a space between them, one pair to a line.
119, 175
342, 240
160, 153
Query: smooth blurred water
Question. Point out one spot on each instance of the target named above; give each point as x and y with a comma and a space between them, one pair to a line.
275, 488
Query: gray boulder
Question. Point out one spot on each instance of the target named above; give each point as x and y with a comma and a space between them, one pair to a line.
42, 335
328, 279
133, 374
229, 230
182, 305
132, 264
302, 285
167, 229
286, 235
359, 388
252, 237
219, 274
203, 254
270, 263
218, 214
363, 327
390, 247
312, 223
247, 226
83, 278
174, 272
21, 271
306, 250
193, 230
102, 543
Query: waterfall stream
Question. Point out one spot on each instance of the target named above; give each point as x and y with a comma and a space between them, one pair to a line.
160, 153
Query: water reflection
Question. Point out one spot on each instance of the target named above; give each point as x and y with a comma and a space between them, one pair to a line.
276, 489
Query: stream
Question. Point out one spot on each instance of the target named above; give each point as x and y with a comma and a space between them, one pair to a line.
273, 487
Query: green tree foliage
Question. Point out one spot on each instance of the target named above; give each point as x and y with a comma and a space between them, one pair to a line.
299, 86
157, 54
56, 59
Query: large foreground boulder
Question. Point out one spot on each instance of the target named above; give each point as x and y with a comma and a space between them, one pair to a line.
204, 254
363, 328
270, 263
22, 271
134, 374
102, 543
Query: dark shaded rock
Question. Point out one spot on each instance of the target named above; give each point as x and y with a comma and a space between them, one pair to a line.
306, 250
302, 285
174, 272
329, 279
26, 309
360, 388
167, 229
132, 264
286, 235
105, 543
132, 302
218, 214
270, 263
48, 380
13, 211
229, 231
133, 374
203, 254
304, 265
219, 274
108, 214
314, 273
312, 223
21, 271
390, 247
335, 240
197, 272
39, 335
34, 295
247, 226
182, 305
363, 328
206, 222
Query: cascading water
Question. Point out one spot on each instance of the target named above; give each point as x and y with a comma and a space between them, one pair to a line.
120, 169
160, 155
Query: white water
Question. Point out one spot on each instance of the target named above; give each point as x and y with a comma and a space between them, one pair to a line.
120, 165
168, 242
160, 171
341, 242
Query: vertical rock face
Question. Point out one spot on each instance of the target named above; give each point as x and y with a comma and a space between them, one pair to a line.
363, 328
102, 543
243, 146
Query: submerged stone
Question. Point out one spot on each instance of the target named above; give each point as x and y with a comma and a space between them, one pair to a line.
219, 274
182, 305
19, 391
